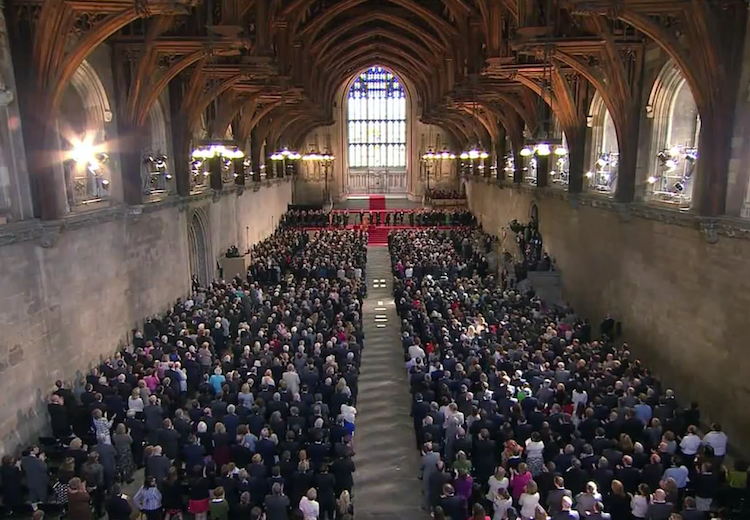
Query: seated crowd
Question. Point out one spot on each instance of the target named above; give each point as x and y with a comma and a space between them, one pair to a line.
238, 402
419, 217
532, 254
445, 195
520, 413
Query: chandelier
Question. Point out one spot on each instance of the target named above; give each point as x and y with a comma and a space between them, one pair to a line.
543, 149
432, 156
217, 150
285, 154
475, 153
315, 156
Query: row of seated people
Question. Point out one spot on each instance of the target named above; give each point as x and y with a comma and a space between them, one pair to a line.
238, 402
518, 413
421, 217
445, 195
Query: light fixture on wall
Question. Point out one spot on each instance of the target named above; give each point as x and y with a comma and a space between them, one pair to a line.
671, 183
157, 174
604, 176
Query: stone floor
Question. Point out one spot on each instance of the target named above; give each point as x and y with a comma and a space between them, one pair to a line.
387, 462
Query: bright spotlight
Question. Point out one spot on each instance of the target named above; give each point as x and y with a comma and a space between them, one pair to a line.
83, 152
543, 150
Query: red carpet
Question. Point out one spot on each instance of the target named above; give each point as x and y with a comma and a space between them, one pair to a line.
377, 202
378, 236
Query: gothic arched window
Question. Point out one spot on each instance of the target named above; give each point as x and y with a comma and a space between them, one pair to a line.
377, 120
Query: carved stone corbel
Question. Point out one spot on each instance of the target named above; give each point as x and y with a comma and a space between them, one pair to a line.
50, 235
709, 230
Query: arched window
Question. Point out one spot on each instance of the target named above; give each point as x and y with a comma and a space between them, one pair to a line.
377, 120
674, 141
605, 151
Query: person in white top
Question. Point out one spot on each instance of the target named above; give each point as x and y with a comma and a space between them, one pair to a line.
529, 500
135, 401
496, 483
717, 439
309, 505
416, 352
690, 443
639, 502
349, 414
291, 378
500, 504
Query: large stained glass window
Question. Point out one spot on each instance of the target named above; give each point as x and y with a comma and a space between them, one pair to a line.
377, 120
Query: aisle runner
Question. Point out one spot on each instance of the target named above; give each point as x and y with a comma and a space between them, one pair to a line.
377, 202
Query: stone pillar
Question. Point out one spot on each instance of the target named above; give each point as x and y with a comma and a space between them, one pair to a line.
215, 164
500, 153
542, 170
131, 163
180, 139
14, 174
239, 170
519, 161
255, 155
576, 161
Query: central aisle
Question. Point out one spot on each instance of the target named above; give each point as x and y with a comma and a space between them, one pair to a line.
385, 483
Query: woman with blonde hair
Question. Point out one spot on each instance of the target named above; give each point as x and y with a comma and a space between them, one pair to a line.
496, 483
344, 505
135, 401
501, 503
309, 505
586, 501
540, 514
529, 500
617, 502
78, 500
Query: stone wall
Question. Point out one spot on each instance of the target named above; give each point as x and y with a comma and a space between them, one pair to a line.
65, 307
682, 301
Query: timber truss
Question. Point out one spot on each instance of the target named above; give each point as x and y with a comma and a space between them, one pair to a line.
275, 68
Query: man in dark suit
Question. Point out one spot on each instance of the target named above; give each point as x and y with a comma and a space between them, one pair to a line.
628, 475
157, 465
554, 499
567, 512
454, 506
659, 509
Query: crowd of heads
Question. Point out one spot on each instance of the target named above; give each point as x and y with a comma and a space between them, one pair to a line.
448, 216
520, 412
240, 400
445, 195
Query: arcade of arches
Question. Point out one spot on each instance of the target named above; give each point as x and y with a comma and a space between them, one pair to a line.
139, 140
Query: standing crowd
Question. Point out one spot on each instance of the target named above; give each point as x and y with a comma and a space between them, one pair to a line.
521, 413
238, 403
420, 217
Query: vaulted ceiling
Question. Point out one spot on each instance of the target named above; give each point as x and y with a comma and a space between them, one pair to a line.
478, 67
